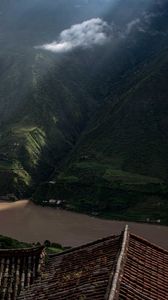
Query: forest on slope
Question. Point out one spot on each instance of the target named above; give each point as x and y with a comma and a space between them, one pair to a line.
93, 120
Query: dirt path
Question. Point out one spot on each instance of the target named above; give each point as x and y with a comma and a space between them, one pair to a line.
30, 223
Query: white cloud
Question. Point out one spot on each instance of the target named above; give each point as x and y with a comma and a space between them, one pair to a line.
87, 34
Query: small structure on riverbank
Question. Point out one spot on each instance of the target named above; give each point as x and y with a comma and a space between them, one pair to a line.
8, 197
54, 203
121, 267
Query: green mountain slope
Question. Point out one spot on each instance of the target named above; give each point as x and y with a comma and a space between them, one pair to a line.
130, 133
35, 140
88, 126
119, 166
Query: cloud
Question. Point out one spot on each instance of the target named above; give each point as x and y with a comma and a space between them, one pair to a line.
131, 25
84, 35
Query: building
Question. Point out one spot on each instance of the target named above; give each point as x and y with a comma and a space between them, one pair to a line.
121, 267
18, 269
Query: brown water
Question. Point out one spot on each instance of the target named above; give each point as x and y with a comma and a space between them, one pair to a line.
30, 223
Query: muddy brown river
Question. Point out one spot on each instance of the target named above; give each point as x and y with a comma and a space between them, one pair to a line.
30, 223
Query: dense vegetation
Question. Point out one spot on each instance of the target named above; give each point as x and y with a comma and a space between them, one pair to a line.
88, 126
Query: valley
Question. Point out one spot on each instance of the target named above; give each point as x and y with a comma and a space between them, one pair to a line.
83, 149
83, 105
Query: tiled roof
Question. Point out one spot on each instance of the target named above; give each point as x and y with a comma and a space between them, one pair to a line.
18, 269
82, 273
145, 274
124, 267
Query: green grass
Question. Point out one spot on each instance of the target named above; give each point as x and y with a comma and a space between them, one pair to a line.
53, 250
9, 243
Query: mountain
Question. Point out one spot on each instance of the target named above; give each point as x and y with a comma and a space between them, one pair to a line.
86, 125
119, 167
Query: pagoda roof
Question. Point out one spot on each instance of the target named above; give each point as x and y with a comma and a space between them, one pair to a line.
18, 269
121, 267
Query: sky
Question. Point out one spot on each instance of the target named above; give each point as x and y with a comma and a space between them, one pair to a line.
95, 31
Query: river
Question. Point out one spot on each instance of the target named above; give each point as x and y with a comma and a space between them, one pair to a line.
27, 222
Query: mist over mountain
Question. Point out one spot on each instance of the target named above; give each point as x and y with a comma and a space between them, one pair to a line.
83, 104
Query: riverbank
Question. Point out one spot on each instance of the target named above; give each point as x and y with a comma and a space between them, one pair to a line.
25, 221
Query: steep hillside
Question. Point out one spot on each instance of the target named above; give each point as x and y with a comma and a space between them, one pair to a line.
46, 99
119, 166
44, 129
86, 123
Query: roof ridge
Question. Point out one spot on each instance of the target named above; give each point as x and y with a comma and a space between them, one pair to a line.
119, 268
149, 243
19, 250
91, 243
